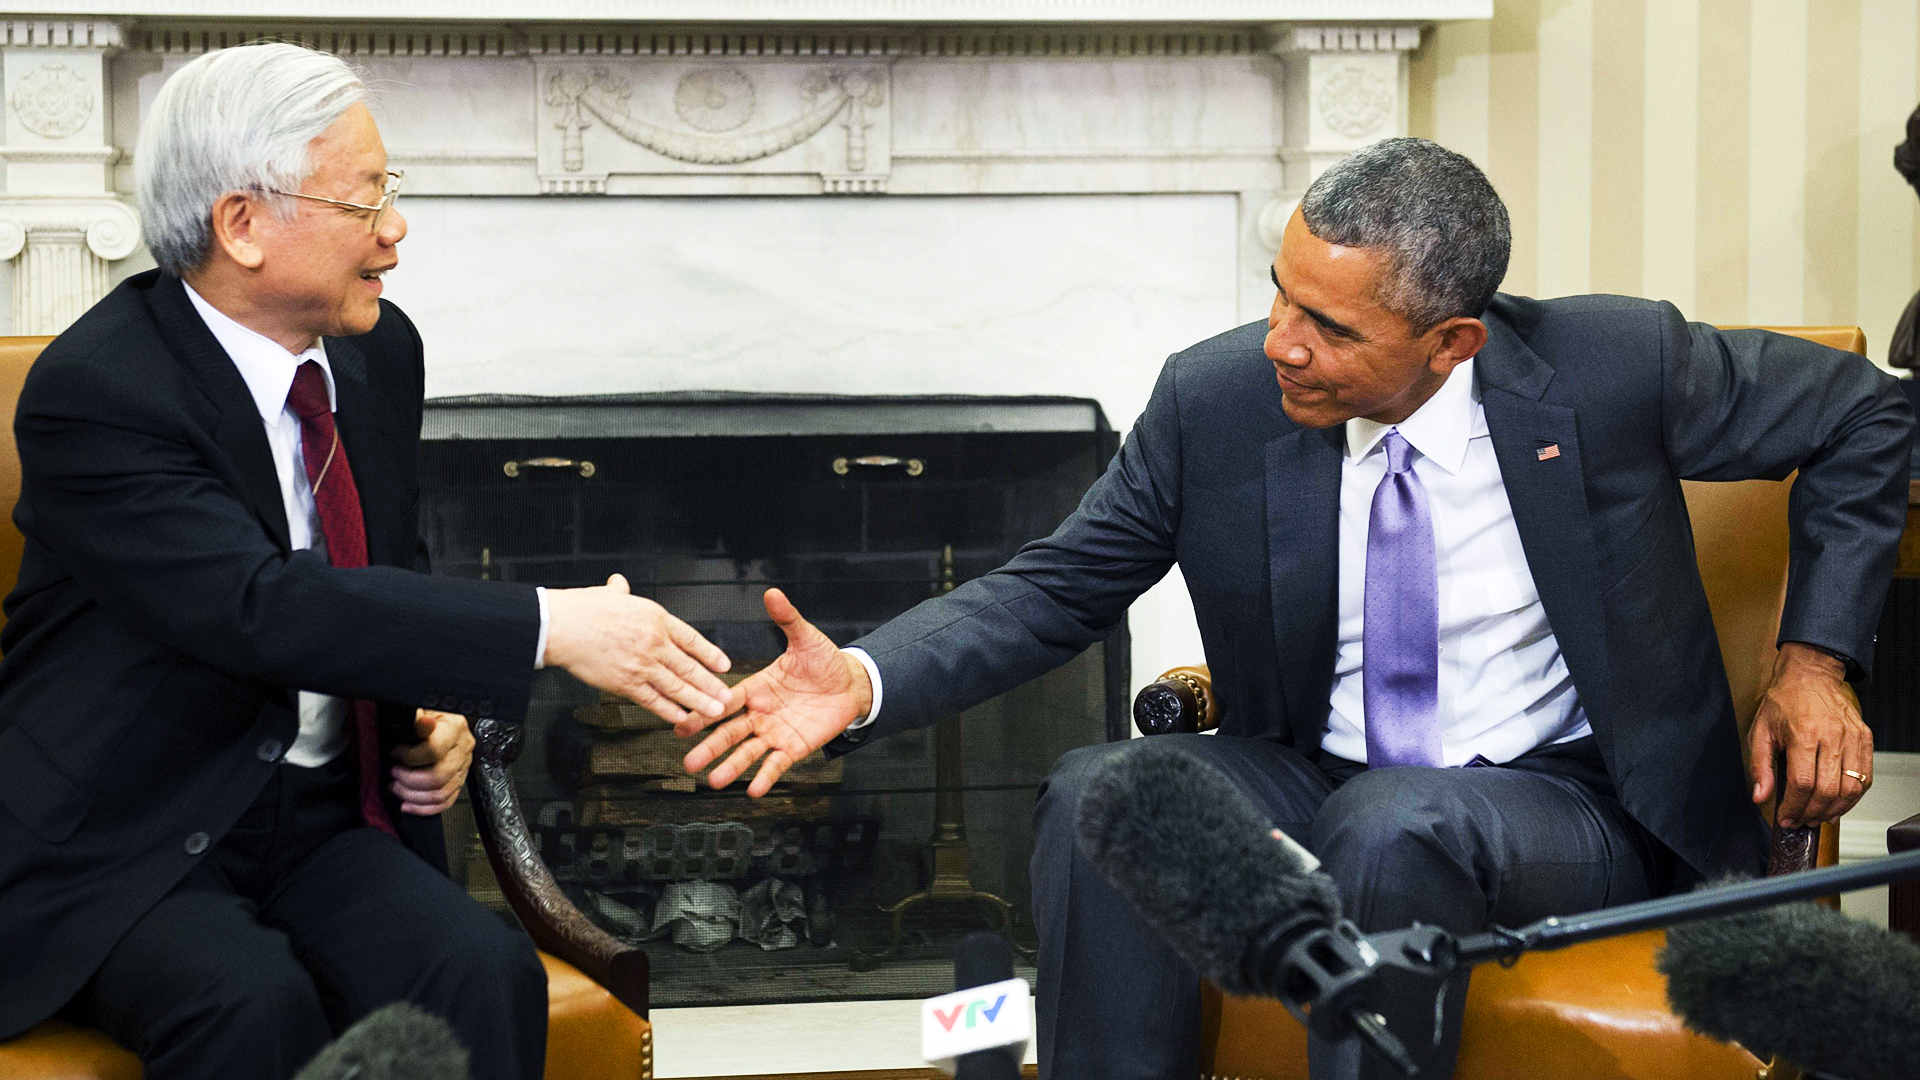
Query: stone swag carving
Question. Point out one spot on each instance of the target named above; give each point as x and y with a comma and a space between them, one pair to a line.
718, 101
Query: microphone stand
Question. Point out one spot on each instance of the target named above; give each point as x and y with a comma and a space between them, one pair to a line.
1326, 976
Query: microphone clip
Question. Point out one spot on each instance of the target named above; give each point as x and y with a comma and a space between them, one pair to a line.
1330, 975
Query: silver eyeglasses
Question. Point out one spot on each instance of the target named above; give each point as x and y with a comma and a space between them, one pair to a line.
378, 210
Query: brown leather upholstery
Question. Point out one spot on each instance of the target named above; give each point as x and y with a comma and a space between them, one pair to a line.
1592, 1011
1596, 1011
57, 1051
590, 1034
17, 354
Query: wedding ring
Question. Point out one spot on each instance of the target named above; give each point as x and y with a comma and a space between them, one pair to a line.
1857, 776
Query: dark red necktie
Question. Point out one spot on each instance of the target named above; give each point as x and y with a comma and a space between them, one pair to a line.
336, 502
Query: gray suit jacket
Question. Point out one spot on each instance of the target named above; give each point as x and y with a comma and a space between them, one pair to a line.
1215, 477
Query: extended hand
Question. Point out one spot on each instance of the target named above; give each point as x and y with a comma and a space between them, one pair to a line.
612, 640
1810, 714
431, 771
793, 706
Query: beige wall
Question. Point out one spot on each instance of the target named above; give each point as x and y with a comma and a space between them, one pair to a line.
1732, 156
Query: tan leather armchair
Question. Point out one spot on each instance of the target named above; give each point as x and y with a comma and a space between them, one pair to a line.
596, 985
1597, 1011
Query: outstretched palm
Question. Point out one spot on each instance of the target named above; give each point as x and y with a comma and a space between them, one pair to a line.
791, 707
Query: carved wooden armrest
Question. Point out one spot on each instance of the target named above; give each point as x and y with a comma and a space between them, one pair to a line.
555, 925
1181, 701
1793, 850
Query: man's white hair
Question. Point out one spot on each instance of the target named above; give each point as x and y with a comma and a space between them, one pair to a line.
238, 119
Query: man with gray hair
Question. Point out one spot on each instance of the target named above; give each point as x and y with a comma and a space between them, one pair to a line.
1446, 585
231, 706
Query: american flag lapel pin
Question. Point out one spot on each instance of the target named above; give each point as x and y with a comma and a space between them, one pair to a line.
1548, 452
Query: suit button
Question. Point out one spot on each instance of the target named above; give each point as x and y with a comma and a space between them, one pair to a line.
269, 750
486, 707
431, 701
468, 706
196, 843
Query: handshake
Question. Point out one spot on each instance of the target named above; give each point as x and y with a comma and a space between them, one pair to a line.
613, 640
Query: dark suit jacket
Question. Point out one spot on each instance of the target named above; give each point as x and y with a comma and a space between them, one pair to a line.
162, 623
1215, 477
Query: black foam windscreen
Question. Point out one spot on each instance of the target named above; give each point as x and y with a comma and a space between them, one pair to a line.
1829, 993
394, 1042
981, 958
1197, 858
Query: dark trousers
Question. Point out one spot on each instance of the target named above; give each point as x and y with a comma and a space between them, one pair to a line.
299, 922
1456, 848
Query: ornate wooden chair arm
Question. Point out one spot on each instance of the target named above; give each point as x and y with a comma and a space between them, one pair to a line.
555, 925
1180, 701
1793, 850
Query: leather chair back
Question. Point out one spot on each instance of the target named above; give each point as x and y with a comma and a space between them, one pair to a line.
1598, 1010
17, 355
1740, 542
591, 1035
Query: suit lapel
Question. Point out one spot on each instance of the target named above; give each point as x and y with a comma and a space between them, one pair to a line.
238, 431
1538, 447
1303, 553
362, 433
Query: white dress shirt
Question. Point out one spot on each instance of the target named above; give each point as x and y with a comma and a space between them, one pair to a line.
268, 369
1504, 687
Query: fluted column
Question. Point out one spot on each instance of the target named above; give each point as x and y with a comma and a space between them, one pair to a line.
60, 221
62, 248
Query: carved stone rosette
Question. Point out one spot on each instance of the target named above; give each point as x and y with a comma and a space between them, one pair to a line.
1352, 82
59, 217
715, 121
52, 101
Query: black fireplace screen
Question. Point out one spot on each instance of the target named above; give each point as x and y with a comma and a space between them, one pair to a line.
855, 877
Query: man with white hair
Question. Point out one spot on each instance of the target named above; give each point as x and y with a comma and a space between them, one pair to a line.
222, 744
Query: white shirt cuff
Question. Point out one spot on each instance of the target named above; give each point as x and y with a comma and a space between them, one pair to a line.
540, 643
873, 675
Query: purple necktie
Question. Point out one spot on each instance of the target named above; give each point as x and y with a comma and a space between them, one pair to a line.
1400, 631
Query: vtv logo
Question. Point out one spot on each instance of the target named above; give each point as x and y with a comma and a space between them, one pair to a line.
978, 1018
974, 1010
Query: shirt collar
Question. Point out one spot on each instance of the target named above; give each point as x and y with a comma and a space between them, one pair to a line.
264, 363
1440, 428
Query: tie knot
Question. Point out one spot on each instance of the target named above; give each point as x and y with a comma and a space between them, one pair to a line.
1399, 452
308, 396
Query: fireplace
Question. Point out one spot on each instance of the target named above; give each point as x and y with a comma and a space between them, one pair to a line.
853, 878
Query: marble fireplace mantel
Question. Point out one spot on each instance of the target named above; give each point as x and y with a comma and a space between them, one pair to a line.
732, 97
858, 196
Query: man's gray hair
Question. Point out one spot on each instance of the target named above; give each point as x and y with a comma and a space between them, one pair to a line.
237, 119
1434, 216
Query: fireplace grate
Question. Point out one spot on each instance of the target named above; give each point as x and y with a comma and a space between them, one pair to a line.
858, 508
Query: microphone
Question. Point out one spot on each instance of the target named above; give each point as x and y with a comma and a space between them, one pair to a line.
400, 1041
1239, 901
1829, 993
980, 1031
1242, 904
